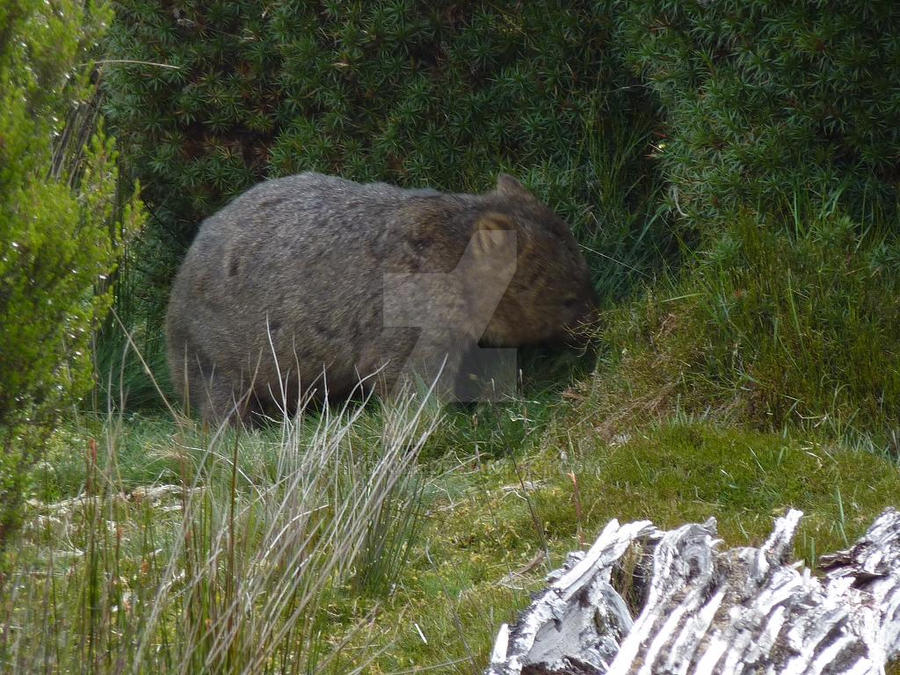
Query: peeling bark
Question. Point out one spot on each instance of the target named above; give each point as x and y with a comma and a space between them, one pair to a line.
695, 609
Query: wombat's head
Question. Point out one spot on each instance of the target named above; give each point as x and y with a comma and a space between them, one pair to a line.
550, 292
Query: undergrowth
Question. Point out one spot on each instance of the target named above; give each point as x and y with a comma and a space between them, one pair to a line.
229, 561
768, 329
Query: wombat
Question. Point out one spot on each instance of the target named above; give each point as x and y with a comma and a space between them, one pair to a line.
309, 284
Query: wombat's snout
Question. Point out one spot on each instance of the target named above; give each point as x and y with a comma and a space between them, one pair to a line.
583, 316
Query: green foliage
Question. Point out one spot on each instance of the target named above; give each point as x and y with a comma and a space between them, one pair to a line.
776, 328
276, 545
414, 93
766, 100
61, 233
779, 117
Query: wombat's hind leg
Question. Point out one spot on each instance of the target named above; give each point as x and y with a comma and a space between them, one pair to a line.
219, 402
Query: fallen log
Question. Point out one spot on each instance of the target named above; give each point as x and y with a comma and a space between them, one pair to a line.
643, 600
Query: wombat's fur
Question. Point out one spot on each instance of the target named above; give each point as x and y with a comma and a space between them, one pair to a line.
288, 280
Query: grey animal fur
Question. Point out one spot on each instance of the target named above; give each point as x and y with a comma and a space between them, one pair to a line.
287, 282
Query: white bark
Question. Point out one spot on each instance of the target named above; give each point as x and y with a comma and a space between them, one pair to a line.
701, 610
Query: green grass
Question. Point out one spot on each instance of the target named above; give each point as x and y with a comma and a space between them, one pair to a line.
231, 564
770, 329
493, 487
671, 473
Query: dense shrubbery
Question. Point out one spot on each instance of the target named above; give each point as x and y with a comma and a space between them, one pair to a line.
778, 119
800, 329
764, 101
59, 238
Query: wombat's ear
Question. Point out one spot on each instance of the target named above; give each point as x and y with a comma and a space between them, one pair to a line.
488, 236
507, 185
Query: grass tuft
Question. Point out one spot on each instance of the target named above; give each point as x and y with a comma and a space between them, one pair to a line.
235, 565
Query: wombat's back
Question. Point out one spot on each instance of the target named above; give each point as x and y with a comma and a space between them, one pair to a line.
311, 211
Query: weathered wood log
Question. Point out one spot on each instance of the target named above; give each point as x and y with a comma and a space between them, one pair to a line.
700, 610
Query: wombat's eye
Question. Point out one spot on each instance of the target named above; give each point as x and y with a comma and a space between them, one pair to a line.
570, 301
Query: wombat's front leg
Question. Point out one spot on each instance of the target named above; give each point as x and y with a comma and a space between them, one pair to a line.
402, 361
215, 397
436, 364
458, 370
450, 364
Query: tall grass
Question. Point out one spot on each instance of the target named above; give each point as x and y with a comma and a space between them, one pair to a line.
769, 327
231, 569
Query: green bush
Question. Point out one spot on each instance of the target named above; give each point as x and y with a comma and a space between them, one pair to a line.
772, 329
439, 93
779, 117
767, 100
61, 232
